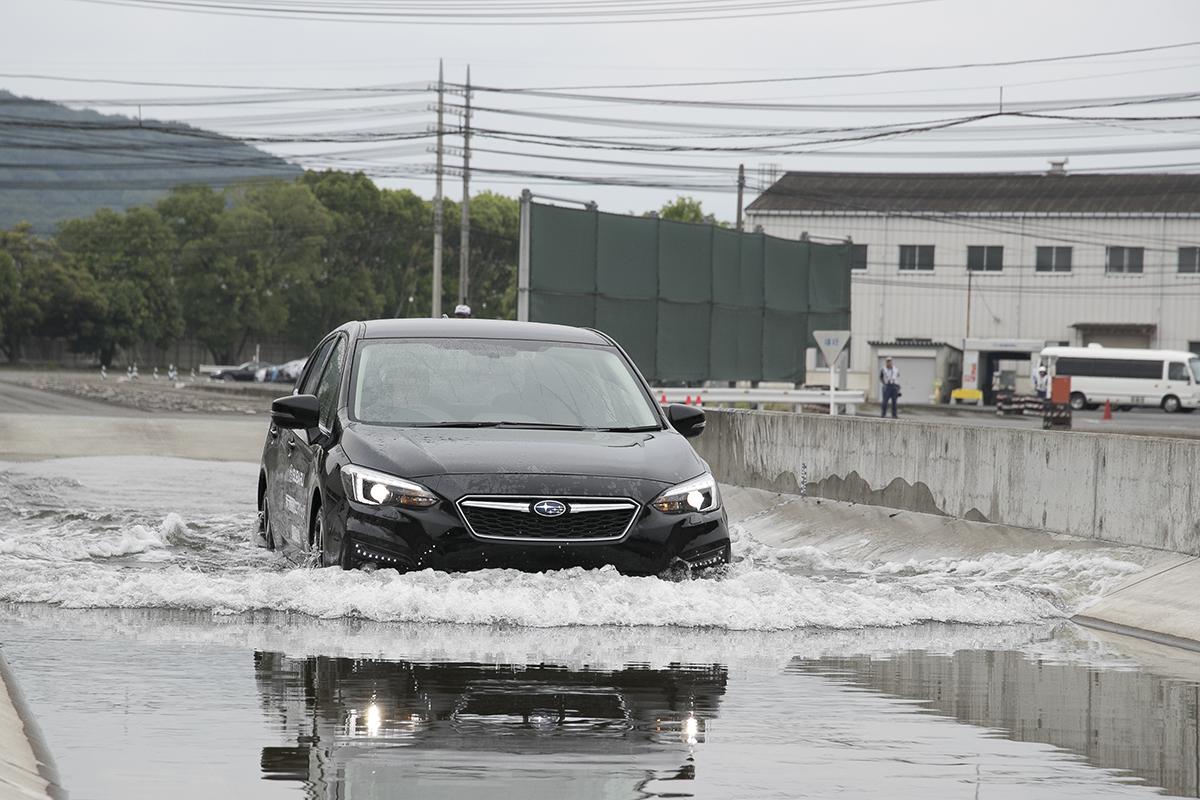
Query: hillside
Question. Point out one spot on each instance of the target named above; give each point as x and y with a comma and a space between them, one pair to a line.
58, 163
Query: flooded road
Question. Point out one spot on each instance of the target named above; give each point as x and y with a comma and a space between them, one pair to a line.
165, 654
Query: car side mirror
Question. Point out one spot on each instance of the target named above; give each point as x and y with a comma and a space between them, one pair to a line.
688, 420
296, 411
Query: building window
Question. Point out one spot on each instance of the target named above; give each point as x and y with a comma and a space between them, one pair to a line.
916, 256
985, 259
1124, 259
858, 256
1189, 259
1053, 259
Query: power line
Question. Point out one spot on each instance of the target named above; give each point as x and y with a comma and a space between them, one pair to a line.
865, 73
528, 14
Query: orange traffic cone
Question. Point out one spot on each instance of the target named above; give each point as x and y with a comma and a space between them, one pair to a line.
1107, 409
687, 401
698, 401
664, 398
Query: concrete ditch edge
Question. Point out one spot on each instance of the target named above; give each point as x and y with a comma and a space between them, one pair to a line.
26, 765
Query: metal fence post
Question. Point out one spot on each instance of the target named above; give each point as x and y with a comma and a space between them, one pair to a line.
523, 257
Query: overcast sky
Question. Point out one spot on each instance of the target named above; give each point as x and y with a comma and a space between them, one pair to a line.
82, 39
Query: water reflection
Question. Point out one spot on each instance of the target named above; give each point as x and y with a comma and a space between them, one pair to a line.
368, 728
1117, 719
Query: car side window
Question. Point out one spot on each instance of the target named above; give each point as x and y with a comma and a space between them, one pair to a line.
312, 372
1177, 372
331, 380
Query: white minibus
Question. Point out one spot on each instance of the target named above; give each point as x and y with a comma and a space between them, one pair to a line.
1166, 379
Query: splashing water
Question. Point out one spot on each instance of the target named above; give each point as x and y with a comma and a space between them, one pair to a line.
172, 533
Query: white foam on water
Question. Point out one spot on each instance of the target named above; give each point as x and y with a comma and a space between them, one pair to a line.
105, 542
204, 561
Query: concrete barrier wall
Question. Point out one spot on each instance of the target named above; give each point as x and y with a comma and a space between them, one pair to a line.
1131, 489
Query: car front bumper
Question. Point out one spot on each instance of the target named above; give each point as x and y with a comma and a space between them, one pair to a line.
437, 538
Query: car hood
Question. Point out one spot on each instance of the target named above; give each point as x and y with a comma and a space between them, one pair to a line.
659, 456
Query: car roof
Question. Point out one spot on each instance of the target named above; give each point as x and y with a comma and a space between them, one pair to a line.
478, 329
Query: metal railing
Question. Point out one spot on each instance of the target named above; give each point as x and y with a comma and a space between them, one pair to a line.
757, 398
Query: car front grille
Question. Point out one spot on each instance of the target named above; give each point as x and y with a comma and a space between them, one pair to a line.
586, 519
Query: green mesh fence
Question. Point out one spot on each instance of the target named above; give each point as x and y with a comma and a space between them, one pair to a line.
688, 302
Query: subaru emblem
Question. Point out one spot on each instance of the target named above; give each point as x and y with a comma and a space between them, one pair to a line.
549, 508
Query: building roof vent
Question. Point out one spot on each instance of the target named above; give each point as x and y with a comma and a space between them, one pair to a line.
1058, 166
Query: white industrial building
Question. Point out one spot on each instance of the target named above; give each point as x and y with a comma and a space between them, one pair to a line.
965, 275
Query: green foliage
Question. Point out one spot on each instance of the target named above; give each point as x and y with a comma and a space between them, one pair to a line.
41, 292
243, 265
688, 209
278, 259
494, 223
129, 256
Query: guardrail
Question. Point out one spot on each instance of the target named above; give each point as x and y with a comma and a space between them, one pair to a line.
848, 398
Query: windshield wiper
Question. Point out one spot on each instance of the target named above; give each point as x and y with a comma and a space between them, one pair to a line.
550, 426
463, 424
631, 429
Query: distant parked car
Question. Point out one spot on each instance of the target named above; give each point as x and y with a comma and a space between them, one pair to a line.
242, 372
286, 372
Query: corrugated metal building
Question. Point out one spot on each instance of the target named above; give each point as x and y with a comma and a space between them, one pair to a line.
1013, 259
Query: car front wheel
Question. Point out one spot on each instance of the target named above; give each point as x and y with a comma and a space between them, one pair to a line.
1078, 401
1171, 404
318, 549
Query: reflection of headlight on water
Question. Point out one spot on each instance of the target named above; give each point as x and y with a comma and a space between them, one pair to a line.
689, 729
374, 720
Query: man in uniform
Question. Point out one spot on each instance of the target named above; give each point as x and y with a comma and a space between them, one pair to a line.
889, 378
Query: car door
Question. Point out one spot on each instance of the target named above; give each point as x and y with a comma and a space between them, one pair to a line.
308, 449
284, 483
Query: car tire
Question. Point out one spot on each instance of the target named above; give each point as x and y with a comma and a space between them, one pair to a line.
268, 533
1171, 404
315, 557
1078, 401
319, 546
228, 378
346, 558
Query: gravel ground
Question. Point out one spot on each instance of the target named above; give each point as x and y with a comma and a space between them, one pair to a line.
147, 394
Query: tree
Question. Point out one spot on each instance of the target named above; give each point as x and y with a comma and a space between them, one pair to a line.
129, 258
41, 293
191, 211
495, 223
261, 258
687, 209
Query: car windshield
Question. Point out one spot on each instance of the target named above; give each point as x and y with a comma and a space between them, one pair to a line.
482, 382
1194, 363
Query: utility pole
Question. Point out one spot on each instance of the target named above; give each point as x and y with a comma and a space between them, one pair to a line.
436, 310
741, 189
969, 276
464, 248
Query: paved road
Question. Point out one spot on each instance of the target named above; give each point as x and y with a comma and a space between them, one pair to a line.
18, 399
1143, 422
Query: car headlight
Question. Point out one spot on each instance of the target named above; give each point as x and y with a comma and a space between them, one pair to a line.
698, 494
379, 489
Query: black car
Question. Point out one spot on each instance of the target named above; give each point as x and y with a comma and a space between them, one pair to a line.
242, 372
466, 444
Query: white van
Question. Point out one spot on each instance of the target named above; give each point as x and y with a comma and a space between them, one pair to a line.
1167, 379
